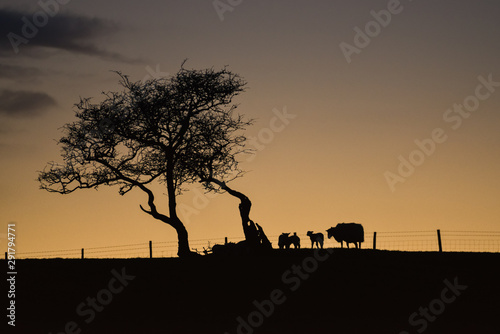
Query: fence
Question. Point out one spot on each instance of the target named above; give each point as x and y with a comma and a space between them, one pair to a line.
448, 241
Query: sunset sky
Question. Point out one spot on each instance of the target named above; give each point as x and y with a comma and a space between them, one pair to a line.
384, 113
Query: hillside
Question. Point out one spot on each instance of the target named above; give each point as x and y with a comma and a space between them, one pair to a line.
347, 291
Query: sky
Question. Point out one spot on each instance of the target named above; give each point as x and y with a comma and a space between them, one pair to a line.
384, 113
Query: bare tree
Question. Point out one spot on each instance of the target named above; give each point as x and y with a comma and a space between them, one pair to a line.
205, 163
255, 237
153, 132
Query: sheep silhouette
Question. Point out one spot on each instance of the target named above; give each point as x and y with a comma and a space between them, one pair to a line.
350, 233
285, 240
295, 240
316, 238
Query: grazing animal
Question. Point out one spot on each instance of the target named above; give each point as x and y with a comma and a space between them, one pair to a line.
229, 249
285, 240
317, 238
241, 248
295, 240
350, 233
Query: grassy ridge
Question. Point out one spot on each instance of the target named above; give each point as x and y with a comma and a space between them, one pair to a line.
345, 291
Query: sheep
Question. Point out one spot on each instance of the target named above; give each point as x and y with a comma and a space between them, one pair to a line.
317, 238
295, 240
350, 233
285, 240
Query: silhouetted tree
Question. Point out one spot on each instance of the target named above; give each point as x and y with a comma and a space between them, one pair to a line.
207, 167
254, 234
153, 132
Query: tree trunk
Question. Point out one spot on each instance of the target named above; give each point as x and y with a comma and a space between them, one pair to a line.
254, 234
182, 234
249, 228
182, 237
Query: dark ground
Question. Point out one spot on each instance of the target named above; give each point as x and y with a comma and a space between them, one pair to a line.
349, 291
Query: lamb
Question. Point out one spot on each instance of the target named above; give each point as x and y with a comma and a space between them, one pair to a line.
317, 238
285, 240
295, 240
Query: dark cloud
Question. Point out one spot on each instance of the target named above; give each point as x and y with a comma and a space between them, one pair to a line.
19, 73
31, 33
24, 103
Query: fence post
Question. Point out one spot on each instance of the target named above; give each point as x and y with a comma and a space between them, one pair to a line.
225, 241
374, 240
6, 255
150, 249
439, 241
83, 254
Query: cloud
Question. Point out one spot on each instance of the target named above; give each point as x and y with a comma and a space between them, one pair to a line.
22, 103
19, 73
68, 32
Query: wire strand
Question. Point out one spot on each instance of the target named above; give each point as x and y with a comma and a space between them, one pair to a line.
385, 240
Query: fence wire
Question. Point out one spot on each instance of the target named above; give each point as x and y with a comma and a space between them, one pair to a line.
452, 241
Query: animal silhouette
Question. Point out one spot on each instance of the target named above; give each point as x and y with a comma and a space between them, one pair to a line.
285, 240
350, 233
317, 238
295, 240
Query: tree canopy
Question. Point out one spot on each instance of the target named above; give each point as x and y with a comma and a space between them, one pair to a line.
173, 131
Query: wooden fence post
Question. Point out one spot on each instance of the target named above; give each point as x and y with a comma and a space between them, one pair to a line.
6, 255
439, 241
150, 249
374, 240
225, 241
83, 254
